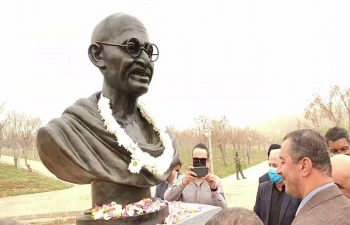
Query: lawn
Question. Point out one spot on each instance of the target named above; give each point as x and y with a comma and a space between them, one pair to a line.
15, 182
219, 168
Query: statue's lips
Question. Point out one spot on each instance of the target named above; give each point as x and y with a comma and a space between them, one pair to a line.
140, 78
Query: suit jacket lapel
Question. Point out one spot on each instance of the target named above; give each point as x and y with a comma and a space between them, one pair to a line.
268, 200
320, 197
284, 206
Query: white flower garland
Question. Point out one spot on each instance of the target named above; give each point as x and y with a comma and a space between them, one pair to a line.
158, 166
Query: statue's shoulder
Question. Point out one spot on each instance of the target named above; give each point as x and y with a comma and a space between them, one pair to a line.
46, 136
85, 103
83, 107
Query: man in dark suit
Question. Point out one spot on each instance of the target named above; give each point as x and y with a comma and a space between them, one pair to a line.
273, 206
266, 177
306, 171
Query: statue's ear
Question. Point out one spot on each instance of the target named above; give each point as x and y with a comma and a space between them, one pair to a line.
94, 52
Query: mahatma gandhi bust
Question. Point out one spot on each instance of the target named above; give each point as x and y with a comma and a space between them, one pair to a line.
110, 139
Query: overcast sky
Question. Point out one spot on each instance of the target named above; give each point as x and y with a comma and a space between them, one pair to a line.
248, 60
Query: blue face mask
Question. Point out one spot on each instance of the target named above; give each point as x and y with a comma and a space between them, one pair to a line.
274, 176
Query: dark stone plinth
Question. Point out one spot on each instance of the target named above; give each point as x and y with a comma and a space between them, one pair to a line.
144, 219
104, 192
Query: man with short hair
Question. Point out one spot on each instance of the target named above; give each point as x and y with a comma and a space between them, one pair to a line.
273, 206
337, 139
266, 177
192, 189
341, 173
235, 216
306, 171
162, 187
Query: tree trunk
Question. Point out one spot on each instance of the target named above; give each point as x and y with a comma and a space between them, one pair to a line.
33, 147
28, 165
223, 154
15, 160
248, 157
25, 159
248, 154
245, 154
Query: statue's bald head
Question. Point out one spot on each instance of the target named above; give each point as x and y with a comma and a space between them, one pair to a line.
341, 172
115, 25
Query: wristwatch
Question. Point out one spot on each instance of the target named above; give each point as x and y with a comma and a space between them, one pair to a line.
213, 190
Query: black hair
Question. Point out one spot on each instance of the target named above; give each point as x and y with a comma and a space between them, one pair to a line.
311, 144
272, 147
201, 146
336, 133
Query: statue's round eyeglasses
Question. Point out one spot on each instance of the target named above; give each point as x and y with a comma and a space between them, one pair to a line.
134, 48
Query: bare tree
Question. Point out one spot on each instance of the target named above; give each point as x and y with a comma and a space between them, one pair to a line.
221, 135
3, 122
244, 141
201, 124
12, 132
333, 110
20, 131
28, 137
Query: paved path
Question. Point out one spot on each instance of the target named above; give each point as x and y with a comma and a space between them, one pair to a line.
78, 198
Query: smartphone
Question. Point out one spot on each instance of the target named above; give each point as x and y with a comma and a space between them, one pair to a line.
201, 171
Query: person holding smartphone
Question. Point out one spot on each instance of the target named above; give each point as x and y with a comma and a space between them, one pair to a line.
198, 184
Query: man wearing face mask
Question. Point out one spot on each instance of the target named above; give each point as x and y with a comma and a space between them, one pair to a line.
273, 206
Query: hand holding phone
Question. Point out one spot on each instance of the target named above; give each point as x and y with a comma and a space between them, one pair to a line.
189, 176
201, 171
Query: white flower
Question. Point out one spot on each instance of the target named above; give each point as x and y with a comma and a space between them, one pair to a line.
158, 166
106, 216
118, 210
130, 211
156, 205
99, 214
135, 166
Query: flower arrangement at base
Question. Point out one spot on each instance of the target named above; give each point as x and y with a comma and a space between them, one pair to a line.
114, 210
179, 212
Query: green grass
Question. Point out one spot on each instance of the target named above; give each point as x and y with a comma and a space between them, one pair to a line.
15, 182
219, 168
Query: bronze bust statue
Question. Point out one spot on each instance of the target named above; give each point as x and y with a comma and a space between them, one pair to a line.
108, 139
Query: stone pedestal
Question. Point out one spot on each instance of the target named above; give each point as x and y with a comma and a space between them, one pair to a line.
145, 219
198, 218
202, 217
103, 192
